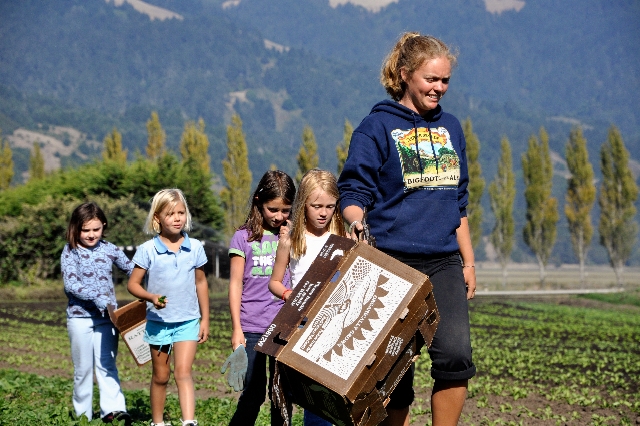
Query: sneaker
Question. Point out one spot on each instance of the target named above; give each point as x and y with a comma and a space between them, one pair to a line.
121, 416
190, 423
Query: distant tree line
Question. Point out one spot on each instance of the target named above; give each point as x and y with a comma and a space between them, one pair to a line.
617, 228
618, 192
124, 187
35, 215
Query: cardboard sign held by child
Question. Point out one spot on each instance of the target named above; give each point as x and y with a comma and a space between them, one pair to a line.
131, 320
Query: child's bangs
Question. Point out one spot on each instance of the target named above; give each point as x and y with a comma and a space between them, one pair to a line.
168, 201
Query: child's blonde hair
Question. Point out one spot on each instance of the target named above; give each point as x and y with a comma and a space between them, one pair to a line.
312, 180
164, 198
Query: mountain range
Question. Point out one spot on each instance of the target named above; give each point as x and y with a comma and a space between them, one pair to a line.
91, 65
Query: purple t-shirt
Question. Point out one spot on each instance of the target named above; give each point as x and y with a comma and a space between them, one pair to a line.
258, 306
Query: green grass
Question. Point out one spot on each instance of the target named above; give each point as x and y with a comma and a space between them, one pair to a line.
37, 400
584, 360
631, 298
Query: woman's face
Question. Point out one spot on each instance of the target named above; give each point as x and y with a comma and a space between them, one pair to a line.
427, 85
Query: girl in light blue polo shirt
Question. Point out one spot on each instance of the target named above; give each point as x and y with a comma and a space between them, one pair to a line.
177, 298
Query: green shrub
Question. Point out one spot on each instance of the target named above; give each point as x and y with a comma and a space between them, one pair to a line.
141, 179
31, 244
34, 216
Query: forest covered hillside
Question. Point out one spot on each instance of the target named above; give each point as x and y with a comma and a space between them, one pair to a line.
575, 58
549, 64
91, 65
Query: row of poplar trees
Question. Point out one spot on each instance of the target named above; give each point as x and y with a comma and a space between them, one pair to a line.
238, 177
618, 192
617, 227
122, 188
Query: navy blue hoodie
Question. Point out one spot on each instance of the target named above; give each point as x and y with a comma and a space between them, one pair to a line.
410, 172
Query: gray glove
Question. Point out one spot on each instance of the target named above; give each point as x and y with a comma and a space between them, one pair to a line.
237, 364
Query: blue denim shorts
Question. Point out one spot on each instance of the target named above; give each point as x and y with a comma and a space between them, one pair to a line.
167, 333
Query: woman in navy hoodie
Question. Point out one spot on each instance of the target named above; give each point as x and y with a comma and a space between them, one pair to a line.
407, 166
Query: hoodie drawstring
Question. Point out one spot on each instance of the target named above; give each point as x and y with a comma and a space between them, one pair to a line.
415, 129
433, 150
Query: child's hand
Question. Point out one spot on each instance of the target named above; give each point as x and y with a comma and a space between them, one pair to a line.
203, 334
159, 301
286, 294
237, 339
284, 232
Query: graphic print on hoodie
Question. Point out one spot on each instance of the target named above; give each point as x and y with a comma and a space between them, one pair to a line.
429, 163
415, 195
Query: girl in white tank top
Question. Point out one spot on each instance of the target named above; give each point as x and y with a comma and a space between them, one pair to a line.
314, 219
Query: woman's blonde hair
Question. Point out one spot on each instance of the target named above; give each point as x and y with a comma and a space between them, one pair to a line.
312, 180
410, 52
164, 198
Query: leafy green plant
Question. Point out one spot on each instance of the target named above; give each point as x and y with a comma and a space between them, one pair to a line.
582, 360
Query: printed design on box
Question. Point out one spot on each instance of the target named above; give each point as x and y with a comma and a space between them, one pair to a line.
387, 386
135, 340
394, 346
352, 317
431, 162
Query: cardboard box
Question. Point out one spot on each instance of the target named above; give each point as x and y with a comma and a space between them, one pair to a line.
131, 320
367, 317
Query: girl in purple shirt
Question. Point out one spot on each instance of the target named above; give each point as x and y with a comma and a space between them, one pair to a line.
252, 252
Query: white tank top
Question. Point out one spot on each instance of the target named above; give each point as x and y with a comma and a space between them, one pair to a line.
300, 266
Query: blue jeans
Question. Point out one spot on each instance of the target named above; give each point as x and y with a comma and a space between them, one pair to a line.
94, 345
311, 419
255, 387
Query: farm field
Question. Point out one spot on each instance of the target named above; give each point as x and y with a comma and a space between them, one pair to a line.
566, 360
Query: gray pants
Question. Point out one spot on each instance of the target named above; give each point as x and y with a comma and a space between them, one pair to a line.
450, 350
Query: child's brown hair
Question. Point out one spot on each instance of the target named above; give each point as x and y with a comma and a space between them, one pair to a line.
274, 184
82, 214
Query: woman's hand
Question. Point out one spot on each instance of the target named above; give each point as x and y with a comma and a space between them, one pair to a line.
353, 216
356, 230
470, 279
463, 236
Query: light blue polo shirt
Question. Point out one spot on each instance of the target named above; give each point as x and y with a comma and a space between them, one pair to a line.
172, 275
